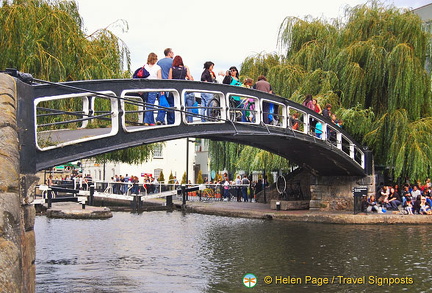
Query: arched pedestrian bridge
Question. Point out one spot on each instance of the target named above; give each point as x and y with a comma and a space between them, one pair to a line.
108, 115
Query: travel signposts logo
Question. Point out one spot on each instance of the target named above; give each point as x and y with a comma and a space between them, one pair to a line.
249, 280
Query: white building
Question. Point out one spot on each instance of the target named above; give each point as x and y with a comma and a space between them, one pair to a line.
170, 158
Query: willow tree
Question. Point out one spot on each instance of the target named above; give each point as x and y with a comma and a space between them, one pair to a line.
253, 159
231, 157
370, 66
46, 39
224, 155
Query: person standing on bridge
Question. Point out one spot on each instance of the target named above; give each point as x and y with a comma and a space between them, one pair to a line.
207, 76
326, 112
268, 108
309, 103
165, 65
220, 77
166, 62
232, 77
155, 73
181, 71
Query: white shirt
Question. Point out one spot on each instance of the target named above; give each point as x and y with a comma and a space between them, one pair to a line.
153, 70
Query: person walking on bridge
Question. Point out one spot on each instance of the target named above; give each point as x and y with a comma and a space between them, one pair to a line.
268, 108
155, 73
165, 65
207, 76
181, 71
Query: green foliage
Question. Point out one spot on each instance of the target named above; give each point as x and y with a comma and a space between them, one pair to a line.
307, 42
53, 46
161, 177
134, 155
357, 121
285, 78
402, 143
252, 159
408, 85
199, 179
260, 64
183, 181
224, 155
171, 178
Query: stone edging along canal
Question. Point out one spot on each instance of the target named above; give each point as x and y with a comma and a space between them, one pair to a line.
249, 210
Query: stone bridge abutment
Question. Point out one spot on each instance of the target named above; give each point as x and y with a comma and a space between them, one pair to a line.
17, 216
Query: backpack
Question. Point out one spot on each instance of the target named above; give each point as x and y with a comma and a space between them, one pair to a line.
179, 72
141, 73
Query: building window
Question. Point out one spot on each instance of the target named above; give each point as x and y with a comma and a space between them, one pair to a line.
157, 151
157, 173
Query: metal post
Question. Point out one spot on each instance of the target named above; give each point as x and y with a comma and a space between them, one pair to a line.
104, 166
91, 197
183, 190
169, 201
49, 198
264, 185
187, 160
139, 201
135, 203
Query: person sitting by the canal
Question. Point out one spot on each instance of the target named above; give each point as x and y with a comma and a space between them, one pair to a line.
408, 208
394, 199
416, 204
383, 197
372, 205
428, 194
424, 207
406, 194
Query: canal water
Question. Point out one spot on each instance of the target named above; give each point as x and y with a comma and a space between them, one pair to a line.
177, 252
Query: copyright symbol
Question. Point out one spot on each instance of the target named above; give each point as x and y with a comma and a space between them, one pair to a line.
268, 280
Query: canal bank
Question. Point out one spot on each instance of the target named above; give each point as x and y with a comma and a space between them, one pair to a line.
250, 210
263, 211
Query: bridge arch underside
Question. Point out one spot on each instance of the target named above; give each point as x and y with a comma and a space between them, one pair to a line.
318, 156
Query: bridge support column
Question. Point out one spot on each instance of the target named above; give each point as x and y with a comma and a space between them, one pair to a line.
334, 193
17, 215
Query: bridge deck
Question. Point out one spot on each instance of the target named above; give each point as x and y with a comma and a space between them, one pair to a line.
112, 116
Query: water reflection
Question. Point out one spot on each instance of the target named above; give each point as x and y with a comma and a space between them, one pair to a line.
175, 252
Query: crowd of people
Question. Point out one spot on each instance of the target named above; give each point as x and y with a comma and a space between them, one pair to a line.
316, 125
173, 67
409, 200
242, 188
123, 184
82, 181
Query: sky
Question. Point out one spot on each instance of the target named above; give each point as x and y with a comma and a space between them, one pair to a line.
224, 32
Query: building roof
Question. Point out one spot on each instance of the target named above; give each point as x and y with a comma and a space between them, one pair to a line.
425, 12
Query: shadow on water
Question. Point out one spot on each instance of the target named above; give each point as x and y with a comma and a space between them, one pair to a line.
178, 252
